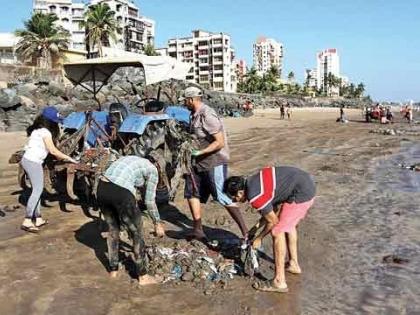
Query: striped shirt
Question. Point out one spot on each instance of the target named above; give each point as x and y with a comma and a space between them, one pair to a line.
272, 186
131, 172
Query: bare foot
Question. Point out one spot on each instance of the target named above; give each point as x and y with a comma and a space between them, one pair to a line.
293, 268
113, 274
159, 230
148, 280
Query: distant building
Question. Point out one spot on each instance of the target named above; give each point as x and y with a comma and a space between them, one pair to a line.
8, 43
311, 78
69, 15
240, 69
162, 51
267, 53
328, 61
212, 57
137, 30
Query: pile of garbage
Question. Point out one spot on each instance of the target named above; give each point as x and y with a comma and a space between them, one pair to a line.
208, 267
395, 132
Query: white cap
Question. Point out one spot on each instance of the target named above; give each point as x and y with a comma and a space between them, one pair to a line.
191, 92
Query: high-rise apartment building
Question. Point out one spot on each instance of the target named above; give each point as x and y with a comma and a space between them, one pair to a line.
212, 57
328, 61
240, 69
311, 78
69, 15
137, 30
267, 53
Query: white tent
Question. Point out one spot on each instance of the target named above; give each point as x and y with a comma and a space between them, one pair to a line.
99, 70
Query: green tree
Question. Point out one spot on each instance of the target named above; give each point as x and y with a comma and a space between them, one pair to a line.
101, 26
291, 76
41, 39
149, 50
252, 82
360, 89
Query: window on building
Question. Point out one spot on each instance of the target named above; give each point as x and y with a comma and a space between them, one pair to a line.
172, 54
226, 41
218, 75
65, 20
204, 78
217, 41
218, 85
203, 52
203, 43
218, 67
190, 77
218, 58
204, 60
218, 49
204, 68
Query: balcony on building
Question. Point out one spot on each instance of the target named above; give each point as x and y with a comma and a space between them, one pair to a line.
64, 10
203, 44
133, 12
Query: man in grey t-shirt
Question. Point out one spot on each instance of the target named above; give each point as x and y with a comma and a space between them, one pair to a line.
210, 168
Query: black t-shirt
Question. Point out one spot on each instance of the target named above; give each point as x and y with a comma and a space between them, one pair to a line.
272, 186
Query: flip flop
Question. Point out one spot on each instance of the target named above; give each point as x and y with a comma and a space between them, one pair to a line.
30, 229
268, 286
42, 224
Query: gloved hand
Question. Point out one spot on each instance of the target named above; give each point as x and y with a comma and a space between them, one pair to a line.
195, 153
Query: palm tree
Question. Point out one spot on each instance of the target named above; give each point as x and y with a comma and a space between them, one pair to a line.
149, 50
291, 76
42, 39
359, 90
101, 26
252, 82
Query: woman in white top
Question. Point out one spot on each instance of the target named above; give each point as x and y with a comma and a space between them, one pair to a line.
42, 135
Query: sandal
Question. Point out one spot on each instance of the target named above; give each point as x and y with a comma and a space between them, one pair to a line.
45, 222
268, 286
30, 229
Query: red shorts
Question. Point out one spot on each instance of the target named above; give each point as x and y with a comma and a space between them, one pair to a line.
290, 215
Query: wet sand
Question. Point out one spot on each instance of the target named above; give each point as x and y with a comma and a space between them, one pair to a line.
367, 208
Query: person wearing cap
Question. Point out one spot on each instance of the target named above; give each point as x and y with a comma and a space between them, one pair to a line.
42, 135
210, 162
289, 191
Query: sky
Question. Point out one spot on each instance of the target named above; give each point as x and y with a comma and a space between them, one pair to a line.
378, 40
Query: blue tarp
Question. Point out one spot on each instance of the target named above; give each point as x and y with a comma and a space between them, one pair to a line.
77, 120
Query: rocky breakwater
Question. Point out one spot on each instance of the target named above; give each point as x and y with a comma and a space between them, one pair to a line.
22, 100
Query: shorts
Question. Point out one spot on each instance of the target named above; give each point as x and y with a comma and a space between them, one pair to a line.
203, 184
290, 215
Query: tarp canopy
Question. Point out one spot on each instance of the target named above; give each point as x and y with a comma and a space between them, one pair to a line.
98, 70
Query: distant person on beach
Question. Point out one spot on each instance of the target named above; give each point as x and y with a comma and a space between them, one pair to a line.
289, 112
389, 115
116, 196
283, 196
43, 134
282, 111
342, 117
210, 160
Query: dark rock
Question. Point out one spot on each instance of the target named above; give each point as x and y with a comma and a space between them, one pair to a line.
394, 259
26, 89
8, 98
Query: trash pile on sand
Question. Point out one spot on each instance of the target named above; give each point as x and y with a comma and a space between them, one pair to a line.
395, 132
208, 267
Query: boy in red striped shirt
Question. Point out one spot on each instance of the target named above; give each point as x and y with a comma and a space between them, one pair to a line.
288, 189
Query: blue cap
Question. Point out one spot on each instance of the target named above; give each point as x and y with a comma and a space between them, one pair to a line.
52, 114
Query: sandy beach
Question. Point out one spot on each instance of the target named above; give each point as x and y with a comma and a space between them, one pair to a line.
365, 214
